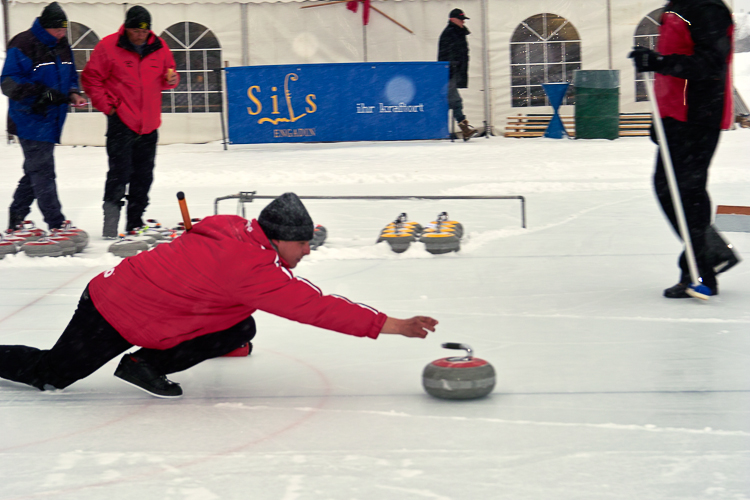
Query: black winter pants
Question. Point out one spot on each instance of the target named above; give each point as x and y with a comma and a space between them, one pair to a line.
38, 183
89, 342
691, 148
455, 103
131, 167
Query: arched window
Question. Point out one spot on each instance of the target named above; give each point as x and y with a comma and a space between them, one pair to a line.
82, 40
646, 35
544, 48
197, 54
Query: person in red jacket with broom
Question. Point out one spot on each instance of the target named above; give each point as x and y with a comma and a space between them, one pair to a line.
125, 77
193, 300
693, 86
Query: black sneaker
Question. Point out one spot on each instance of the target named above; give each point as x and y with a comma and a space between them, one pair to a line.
136, 372
679, 291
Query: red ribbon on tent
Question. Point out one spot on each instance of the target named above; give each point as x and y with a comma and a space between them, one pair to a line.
353, 5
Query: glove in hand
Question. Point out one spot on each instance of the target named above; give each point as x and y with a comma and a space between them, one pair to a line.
646, 59
50, 97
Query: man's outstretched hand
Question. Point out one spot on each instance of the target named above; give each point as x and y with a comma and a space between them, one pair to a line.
418, 326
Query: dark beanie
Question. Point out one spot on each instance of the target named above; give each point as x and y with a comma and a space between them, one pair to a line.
286, 219
138, 18
53, 17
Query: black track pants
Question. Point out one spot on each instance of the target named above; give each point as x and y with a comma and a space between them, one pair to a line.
89, 342
691, 148
131, 167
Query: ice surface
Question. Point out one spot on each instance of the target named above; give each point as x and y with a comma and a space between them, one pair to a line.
605, 390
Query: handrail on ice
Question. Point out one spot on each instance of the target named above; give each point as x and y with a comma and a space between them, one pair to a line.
248, 196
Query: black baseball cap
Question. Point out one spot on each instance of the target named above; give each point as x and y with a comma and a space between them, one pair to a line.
458, 14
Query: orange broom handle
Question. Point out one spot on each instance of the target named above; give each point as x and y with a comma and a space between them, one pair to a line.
184, 210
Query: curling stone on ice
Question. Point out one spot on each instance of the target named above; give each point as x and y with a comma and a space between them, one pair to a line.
127, 246
7, 247
462, 377
67, 245
442, 235
319, 236
28, 231
139, 235
155, 225
400, 233
161, 233
43, 247
78, 235
12, 238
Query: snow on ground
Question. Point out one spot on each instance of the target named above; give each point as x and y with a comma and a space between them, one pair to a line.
605, 390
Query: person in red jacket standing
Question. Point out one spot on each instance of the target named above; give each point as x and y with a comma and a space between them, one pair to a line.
124, 78
693, 89
192, 300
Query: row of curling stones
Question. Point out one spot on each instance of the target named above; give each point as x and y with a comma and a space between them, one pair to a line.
461, 377
439, 236
35, 242
144, 238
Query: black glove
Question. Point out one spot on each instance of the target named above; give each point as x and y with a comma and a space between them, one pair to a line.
50, 97
646, 59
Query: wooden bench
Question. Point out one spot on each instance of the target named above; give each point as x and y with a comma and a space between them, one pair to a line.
534, 125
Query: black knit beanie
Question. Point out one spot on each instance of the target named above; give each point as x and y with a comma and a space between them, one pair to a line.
53, 17
138, 18
286, 219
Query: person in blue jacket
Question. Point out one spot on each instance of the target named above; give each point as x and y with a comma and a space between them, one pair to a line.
39, 77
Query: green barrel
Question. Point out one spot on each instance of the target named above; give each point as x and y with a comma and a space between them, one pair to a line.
597, 111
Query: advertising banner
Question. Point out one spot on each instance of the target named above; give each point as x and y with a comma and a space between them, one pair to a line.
337, 102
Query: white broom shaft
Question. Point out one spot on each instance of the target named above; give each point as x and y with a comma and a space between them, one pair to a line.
671, 180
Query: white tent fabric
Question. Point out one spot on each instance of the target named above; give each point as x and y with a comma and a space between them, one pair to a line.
259, 32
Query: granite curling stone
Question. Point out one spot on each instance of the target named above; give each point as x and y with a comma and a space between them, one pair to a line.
442, 235
43, 247
78, 235
464, 377
127, 246
400, 233
7, 247
320, 234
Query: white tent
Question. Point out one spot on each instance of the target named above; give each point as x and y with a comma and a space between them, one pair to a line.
597, 34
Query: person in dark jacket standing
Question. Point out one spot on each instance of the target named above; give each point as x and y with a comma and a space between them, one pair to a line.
39, 77
192, 300
454, 48
125, 77
694, 92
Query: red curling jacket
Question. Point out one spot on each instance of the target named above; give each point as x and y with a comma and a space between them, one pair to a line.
211, 278
118, 77
695, 84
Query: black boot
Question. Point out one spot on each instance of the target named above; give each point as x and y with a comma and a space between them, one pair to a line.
679, 291
720, 253
140, 374
134, 223
14, 220
111, 219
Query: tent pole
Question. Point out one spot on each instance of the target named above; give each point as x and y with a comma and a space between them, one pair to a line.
245, 34
486, 72
364, 40
609, 32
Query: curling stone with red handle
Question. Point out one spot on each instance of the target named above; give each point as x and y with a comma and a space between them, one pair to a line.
464, 377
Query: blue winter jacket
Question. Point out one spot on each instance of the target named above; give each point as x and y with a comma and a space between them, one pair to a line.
36, 62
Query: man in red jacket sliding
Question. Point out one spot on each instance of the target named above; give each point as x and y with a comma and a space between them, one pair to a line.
124, 78
193, 300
